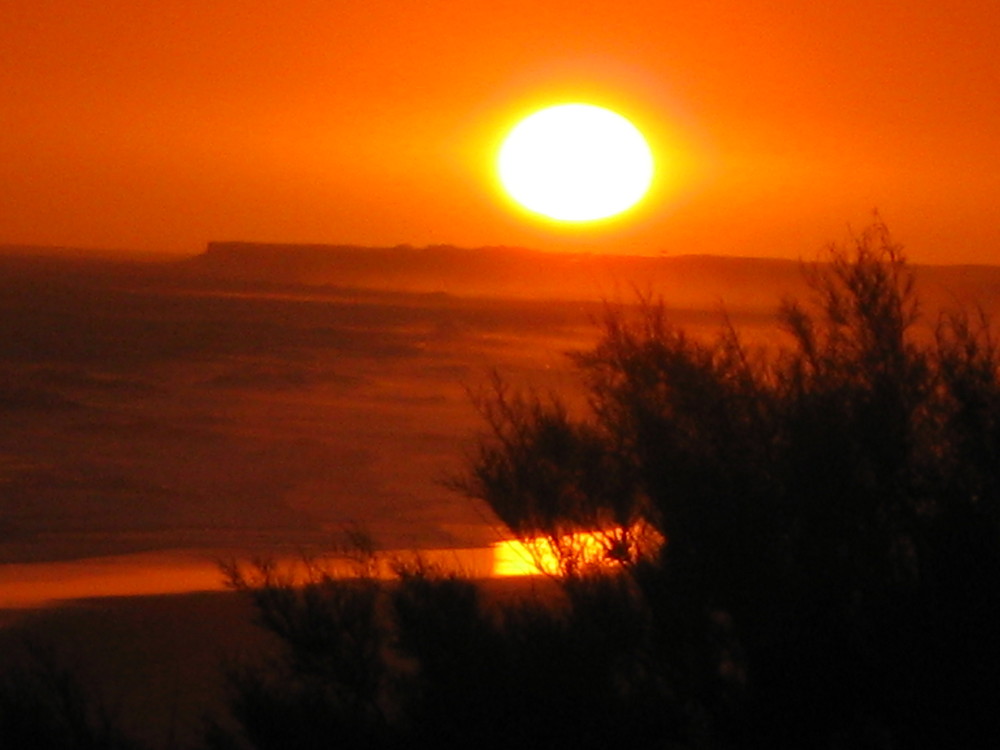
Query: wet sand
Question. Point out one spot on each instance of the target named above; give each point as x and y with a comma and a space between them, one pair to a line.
48, 584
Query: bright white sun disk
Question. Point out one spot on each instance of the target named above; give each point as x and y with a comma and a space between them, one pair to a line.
576, 162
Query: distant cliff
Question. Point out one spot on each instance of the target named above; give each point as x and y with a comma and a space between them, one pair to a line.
692, 281
506, 272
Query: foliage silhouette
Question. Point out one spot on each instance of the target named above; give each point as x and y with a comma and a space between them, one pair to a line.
44, 705
824, 572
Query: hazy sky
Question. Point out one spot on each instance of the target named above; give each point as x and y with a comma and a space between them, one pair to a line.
162, 125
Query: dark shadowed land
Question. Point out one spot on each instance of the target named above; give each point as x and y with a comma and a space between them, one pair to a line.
154, 661
157, 663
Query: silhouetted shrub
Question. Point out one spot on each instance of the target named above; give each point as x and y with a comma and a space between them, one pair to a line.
330, 678
831, 570
824, 572
451, 669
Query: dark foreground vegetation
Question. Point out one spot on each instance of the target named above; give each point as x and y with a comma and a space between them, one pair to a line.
801, 550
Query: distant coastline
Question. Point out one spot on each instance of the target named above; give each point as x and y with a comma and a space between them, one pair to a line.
687, 281
690, 281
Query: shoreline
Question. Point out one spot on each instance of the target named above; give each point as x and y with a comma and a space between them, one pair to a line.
42, 585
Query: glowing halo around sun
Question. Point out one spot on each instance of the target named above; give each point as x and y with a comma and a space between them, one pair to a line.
575, 163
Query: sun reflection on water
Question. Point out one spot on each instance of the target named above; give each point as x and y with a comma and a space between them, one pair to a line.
575, 552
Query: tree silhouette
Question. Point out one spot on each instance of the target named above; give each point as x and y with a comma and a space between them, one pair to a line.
801, 543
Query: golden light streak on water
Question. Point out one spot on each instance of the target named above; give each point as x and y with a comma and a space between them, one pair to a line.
33, 585
577, 551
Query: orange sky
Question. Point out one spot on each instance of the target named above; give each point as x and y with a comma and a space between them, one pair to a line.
162, 125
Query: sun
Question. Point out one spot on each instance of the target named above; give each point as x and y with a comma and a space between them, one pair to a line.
575, 163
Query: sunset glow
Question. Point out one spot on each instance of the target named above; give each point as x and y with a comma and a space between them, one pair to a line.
161, 126
461, 373
576, 162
